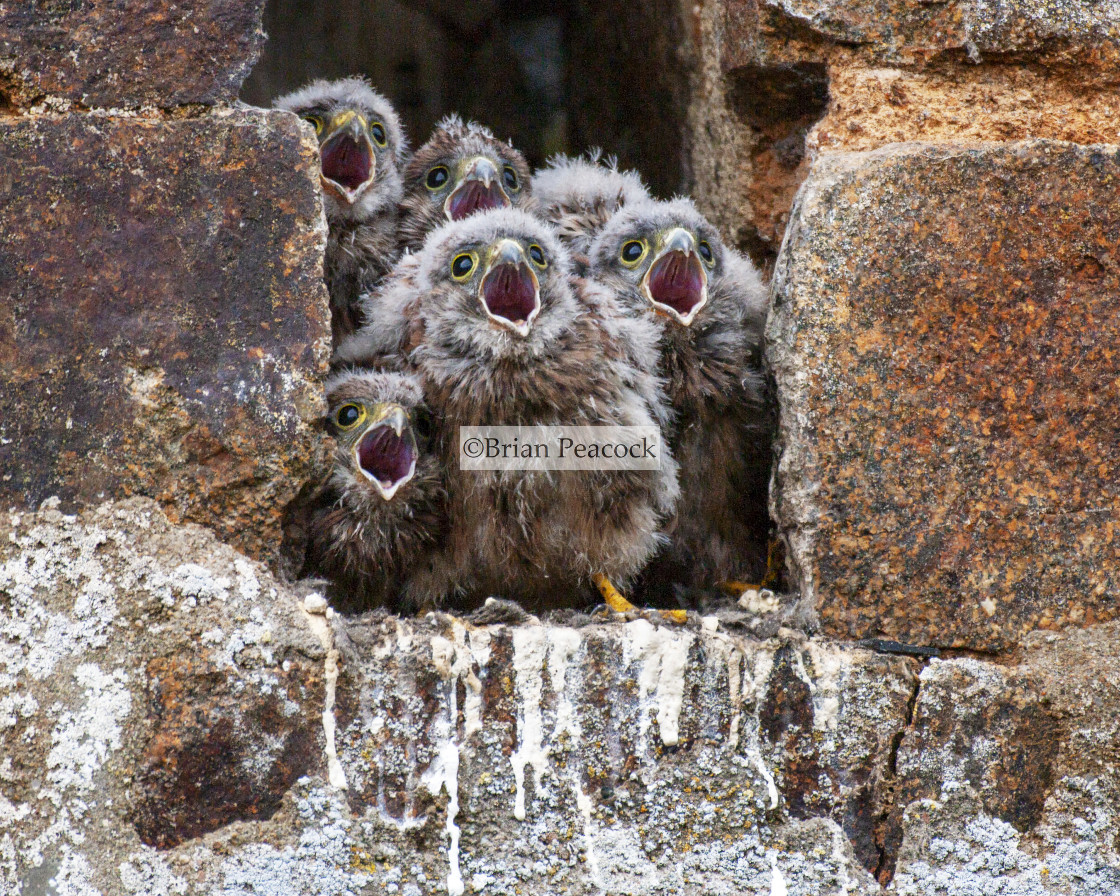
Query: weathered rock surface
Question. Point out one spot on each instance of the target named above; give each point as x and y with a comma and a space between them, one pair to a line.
780, 81
164, 324
155, 685
172, 721
773, 32
1007, 778
944, 337
112, 54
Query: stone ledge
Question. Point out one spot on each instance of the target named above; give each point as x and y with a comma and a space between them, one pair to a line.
171, 722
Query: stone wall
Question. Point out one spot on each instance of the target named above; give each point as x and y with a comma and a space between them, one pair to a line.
178, 717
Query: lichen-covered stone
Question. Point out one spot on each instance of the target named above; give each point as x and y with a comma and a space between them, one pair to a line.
174, 720
1007, 777
114, 54
943, 335
168, 713
154, 685
165, 320
623, 758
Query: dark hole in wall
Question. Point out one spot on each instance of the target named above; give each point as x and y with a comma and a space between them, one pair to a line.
778, 96
553, 76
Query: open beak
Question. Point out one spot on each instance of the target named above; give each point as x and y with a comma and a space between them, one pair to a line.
510, 292
346, 158
676, 284
386, 453
479, 189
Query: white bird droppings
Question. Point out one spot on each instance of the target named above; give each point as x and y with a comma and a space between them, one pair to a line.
777, 882
529, 645
444, 773
664, 656
317, 622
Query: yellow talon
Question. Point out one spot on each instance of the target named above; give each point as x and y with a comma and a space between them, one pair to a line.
775, 555
611, 597
620, 604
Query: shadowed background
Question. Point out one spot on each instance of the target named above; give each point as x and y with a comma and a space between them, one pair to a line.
554, 76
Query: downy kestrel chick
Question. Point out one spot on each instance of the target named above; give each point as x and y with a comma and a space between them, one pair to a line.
382, 511
580, 195
666, 264
361, 152
503, 335
461, 170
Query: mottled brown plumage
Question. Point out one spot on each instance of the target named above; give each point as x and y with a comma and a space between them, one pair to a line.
362, 149
382, 511
462, 169
666, 264
567, 357
580, 195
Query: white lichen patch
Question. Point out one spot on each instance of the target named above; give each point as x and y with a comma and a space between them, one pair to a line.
44, 560
318, 863
82, 741
147, 874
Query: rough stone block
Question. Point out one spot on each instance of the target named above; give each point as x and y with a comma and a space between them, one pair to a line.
625, 758
155, 685
175, 720
944, 337
114, 54
165, 319
782, 81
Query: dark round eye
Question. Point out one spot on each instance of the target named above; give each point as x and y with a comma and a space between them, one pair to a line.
437, 177
462, 265
510, 178
632, 250
537, 254
706, 252
377, 131
315, 121
348, 415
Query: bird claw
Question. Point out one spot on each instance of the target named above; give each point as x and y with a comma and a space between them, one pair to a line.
621, 606
611, 595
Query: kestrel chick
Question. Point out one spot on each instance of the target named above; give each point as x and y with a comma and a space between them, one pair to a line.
580, 195
666, 264
506, 336
462, 169
361, 152
383, 509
